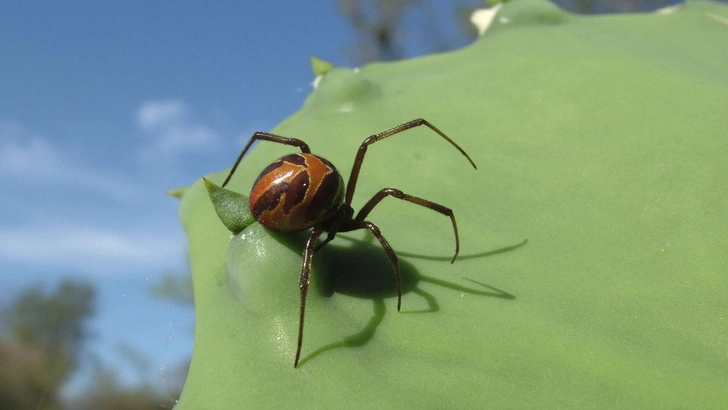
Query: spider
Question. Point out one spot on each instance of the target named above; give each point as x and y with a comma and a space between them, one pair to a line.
302, 191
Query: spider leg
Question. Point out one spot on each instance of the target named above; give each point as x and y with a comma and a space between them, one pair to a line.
342, 217
330, 237
354, 225
303, 286
351, 186
264, 136
415, 200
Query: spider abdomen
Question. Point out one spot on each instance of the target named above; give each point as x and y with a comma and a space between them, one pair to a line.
296, 192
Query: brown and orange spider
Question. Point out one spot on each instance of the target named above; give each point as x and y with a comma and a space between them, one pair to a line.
300, 191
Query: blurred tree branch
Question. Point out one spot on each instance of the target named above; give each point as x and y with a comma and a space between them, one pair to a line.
42, 337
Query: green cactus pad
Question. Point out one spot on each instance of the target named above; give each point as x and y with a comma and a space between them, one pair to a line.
600, 140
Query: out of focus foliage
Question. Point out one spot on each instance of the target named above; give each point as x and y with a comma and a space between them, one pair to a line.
42, 339
42, 335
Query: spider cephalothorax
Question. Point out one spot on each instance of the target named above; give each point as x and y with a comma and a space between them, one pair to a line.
301, 191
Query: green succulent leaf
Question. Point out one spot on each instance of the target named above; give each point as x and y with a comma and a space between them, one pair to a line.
231, 207
177, 192
320, 67
600, 139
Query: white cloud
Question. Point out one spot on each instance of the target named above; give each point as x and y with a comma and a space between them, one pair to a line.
57, 233
90, 249
155, 114
173, 130
35, 157
31, 158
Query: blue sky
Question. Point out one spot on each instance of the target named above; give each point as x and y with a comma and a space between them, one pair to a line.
105, 106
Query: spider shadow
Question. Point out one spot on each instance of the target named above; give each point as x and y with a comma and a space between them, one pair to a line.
359, 269
381, 282
466, 256
363, 270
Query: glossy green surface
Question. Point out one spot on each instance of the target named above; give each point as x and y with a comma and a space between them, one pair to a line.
601, 140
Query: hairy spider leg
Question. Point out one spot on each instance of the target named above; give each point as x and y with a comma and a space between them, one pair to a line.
351, 186
264, 136
308, 259
364, 211
355, 225
304, 282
